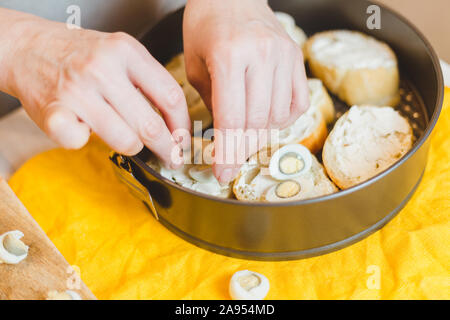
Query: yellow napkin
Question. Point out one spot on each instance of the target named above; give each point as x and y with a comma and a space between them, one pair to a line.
124, 253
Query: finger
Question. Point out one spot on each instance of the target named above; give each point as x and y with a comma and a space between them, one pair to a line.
135, 110
300, 90
281, 96
259, 93
64, 127
162, 90
106, 123
198, 76
258, 98
228, 102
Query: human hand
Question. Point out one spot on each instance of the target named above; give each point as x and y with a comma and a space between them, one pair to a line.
73, 81
247, 70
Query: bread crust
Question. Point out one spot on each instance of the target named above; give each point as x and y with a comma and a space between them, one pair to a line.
315, 141
311, 128
327, 107
356, 86
362, 166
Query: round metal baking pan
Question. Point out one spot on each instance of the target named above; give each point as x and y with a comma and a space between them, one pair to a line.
294, 230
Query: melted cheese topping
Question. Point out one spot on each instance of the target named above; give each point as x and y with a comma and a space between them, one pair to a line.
352, 50
369, 139
302, 128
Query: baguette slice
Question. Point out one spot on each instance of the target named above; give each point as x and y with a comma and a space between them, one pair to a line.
254, 182
310, 129
196, 107
356, 67
365, 141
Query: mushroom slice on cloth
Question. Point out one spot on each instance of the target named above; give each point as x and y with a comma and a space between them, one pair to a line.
64, 295
12, 249
248, 285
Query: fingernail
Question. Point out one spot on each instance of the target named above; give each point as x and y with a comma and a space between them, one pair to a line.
177, 158
179, 139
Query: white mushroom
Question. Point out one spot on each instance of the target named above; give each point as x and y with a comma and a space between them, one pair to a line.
12, 250
202, 173
290, 161
248, 285
63, 295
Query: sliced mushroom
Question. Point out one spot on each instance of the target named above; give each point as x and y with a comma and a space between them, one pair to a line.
12, 249
202, 173
248, 285
63, 295
290, 161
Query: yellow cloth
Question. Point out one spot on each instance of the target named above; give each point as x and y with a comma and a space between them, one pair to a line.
124, 253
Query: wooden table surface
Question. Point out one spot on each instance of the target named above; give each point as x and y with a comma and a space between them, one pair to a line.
44, 269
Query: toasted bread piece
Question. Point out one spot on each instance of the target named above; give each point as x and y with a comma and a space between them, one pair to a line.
314, 142
356, 67
254, 182
196, 107
365, 141
310, 129
320, 98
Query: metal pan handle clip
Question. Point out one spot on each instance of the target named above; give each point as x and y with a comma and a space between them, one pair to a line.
124, 172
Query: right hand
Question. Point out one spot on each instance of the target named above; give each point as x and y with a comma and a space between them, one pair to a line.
73, 81
248, 71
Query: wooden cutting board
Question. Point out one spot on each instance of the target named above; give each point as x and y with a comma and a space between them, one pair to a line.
44, 269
